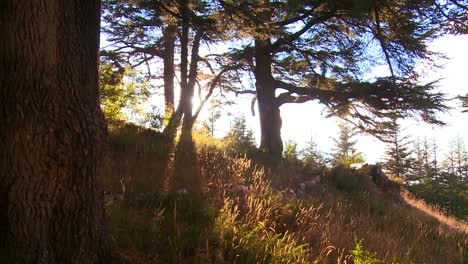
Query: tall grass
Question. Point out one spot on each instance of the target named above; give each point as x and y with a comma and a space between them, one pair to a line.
449, 223
241, 218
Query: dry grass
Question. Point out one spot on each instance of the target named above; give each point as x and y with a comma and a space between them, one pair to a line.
243, 219
329, 221
449, 223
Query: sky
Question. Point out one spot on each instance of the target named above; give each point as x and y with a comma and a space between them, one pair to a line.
301, 122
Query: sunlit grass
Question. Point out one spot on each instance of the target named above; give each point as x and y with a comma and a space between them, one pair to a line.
434, 211
247, 214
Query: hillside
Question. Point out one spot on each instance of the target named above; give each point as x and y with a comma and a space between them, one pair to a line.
280, 212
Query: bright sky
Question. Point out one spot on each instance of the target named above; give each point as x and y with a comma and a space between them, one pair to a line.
303, 121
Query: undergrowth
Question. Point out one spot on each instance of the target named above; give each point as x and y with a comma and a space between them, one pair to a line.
246, 214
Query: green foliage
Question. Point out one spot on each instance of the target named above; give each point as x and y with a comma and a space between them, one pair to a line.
206, 142
156, 119
362, 256
348, 180
456, 160
240, 138
314, 160
421, 166
398, 161
444, 185
291, 154
327, 57
345, 152
123, 92
121, 133
447, 190
248, 242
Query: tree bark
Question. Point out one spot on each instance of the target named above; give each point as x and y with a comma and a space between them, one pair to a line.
268, 108
169, 37
186, 169
51, 129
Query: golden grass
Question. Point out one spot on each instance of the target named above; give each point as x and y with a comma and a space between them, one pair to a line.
449, 223
329, 221
248, 221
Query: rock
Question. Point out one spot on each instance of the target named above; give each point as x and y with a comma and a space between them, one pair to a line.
304, 186
381, 180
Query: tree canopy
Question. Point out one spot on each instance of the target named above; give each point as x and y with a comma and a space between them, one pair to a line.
300, 51
293, 52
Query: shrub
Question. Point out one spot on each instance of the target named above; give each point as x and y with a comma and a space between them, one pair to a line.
348, 180
362, 256
250, 237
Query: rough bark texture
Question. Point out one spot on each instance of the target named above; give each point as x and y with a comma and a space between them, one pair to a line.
51, 128
268, 108
169, 36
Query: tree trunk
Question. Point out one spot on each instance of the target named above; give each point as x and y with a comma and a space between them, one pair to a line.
268, 108
51, 129
169, 37
186, 168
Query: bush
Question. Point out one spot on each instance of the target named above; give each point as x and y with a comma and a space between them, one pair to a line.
348, 180
255, 243
362, 256
250, 230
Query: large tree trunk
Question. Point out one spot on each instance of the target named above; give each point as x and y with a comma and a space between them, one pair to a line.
186, 168
169, 37
268, 108
51, 129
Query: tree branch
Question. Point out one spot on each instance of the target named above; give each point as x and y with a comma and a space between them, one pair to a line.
381, 41
291, 37
291, 88
286, 98
459, 5
213, 84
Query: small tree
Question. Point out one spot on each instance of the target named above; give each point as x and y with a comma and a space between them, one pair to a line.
214, 115
155, 119
345, 152
313, 158
398, 161
423, 163
291, 153
240, 136
456, 161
